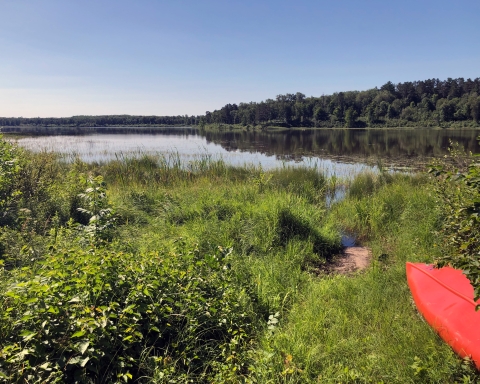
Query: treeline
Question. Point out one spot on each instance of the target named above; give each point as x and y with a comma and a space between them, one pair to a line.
100, 121
453, 102
428, 102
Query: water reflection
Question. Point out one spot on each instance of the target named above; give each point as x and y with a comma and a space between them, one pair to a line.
391, 145
104, 147
336, 151
348, 240
338, 194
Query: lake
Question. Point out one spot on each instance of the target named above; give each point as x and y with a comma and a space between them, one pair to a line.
335, 151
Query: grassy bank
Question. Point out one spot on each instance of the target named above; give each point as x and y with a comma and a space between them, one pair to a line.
365, 328
149, 270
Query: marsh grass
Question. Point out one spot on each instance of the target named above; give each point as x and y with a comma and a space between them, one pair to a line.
331, 329
270, 218
365, 328
273, 226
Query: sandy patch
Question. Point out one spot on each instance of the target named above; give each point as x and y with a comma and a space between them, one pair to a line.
353, 259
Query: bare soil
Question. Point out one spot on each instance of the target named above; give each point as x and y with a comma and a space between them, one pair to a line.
353, 259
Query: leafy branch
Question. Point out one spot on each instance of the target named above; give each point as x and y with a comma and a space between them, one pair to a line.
458, 188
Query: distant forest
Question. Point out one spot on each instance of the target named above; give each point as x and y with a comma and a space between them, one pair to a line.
420, 103
453, 102
100, 121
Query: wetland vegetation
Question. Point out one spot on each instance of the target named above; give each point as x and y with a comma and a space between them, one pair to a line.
156, 269
335, 151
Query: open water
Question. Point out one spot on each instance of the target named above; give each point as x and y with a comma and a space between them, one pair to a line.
335, 151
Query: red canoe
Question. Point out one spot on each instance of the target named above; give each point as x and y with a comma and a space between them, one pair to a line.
444, 297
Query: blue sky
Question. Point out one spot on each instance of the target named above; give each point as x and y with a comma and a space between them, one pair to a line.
154, 57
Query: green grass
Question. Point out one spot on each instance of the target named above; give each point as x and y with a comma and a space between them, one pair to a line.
365, 328
236, 250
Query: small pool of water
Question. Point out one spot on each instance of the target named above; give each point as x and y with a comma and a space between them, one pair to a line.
349, 240
338, 195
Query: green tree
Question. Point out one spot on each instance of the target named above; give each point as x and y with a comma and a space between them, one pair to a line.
382, 109
391, 113
320, 114
408, 113
350, 118
447, 111
370, 114
475, 108
338, 113
388, 86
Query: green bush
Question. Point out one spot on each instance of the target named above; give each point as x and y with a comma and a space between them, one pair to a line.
95, 206
458, 191
95, 315
9, 169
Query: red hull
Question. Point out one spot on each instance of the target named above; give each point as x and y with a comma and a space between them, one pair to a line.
444, 297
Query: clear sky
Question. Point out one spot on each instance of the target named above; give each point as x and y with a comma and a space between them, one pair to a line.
155, 57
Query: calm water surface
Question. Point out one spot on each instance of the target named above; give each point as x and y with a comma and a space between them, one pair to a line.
336, 151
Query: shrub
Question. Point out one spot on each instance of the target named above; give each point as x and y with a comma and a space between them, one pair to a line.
9, 169
458, 189
95, 206
94, 315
